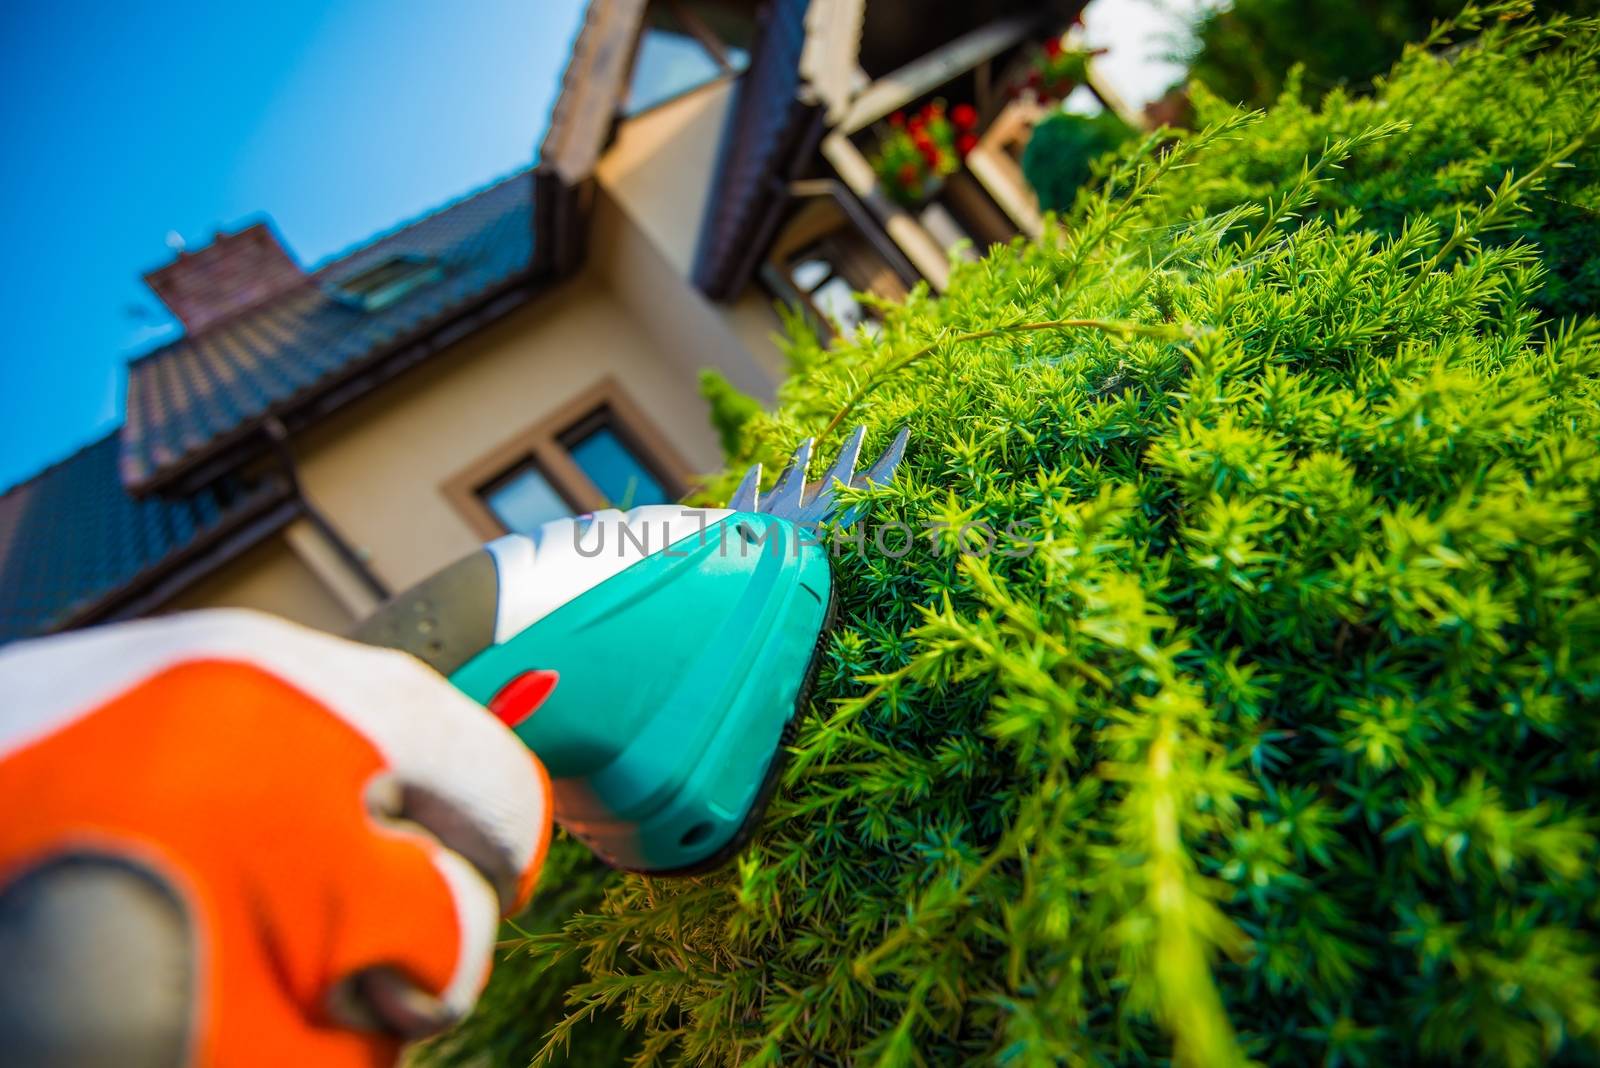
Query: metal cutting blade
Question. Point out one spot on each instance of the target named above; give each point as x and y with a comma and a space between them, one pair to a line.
808, 503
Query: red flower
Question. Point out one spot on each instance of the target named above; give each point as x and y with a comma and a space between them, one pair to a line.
966, 143
908, 174
915, 124
897, 120
1052, 47
965, 116
930, 152
921, 139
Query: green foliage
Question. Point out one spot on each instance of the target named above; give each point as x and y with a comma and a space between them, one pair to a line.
1271, 732
1244, 51
1495, 108
1060, 153
730, 409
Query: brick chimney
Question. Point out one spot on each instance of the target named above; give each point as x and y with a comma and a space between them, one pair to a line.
236, 271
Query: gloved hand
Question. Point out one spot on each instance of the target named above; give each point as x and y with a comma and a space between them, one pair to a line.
230, 840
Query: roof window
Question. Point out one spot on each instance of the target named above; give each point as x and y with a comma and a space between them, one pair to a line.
387, 281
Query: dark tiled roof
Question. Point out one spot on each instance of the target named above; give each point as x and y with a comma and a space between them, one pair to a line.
765, 133
205, 391
71, 536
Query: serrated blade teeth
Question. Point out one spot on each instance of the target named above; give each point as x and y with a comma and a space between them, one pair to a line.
844, 468
881, 473
823, 503
747, 498
788, 500
787, 497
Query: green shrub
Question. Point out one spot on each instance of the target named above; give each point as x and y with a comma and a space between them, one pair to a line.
730, 409
1245, 50
1060, 153
1489, 111
1273, 731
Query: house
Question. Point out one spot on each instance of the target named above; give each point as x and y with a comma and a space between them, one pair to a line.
316, 439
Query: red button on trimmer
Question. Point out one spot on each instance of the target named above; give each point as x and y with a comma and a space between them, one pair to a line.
522, 696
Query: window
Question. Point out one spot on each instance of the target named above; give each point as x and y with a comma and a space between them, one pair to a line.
600, 452
387, 281
830, 294
828, 274
686, 44
616, 470
523, 499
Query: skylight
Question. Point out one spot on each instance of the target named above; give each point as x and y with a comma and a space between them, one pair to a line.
388, 280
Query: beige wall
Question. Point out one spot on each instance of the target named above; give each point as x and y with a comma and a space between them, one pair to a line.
694, 333
753, 318
660, 165
654, 182
376, 470
272, 578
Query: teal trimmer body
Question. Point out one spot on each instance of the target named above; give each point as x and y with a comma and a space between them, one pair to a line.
678, 677
656, 661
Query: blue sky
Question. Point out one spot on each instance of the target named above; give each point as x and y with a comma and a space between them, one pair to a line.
336, 120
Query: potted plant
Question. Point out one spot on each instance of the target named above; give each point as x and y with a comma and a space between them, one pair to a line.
1054, 70
919, 150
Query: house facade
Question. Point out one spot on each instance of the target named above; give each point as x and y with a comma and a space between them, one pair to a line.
317, 439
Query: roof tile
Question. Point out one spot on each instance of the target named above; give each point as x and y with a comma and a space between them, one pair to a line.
71, 536
186, 395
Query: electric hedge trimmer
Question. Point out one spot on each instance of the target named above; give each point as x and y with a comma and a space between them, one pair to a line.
656, 661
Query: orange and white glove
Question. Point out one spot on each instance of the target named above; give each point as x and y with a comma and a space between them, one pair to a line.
230, 840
